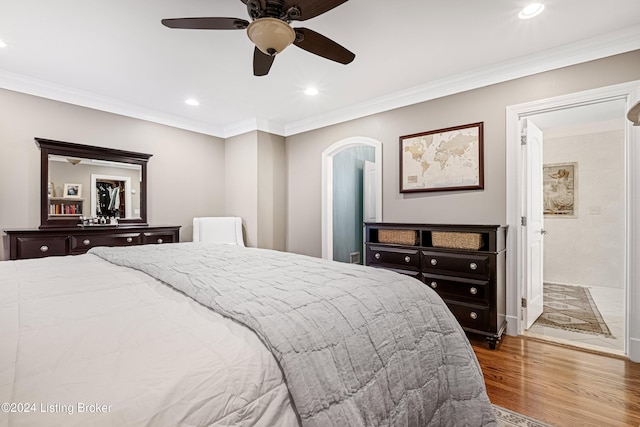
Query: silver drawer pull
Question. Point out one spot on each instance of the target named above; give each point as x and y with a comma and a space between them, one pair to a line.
44, 248
86, 242
434, 261
473, 266
434, 284
407, 259
129, 240
377, 255
473, 315
160, 240
473, 291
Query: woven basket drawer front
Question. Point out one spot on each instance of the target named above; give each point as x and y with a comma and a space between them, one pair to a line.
457, 264
456, 240
399, 237
395, 257
474, 291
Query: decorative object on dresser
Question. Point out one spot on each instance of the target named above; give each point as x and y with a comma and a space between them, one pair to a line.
464, 264
68, 225
443, 160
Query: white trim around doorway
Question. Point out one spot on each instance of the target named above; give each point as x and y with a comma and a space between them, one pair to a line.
327, 186
630, 92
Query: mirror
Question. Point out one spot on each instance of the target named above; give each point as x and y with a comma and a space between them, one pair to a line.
81, 181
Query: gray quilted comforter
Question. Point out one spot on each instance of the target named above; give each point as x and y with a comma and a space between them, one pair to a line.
358, 346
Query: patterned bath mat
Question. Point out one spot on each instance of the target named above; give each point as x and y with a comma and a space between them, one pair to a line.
571, 308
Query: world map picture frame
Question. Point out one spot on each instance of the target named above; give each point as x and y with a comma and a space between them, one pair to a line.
449, 159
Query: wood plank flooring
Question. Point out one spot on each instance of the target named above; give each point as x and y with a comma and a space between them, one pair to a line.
561, 385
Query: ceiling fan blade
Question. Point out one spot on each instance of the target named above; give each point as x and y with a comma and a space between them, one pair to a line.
312, 8
206, 23
320, 45
261, 62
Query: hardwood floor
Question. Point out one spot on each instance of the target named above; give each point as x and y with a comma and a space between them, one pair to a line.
560, 385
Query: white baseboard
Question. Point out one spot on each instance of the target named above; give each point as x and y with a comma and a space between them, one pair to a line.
512, 326
634, 350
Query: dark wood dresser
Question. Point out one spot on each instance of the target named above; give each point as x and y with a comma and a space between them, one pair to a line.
39, 243
464, 264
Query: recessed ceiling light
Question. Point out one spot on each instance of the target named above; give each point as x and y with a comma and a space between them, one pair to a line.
534, 9
311, 91
192, 101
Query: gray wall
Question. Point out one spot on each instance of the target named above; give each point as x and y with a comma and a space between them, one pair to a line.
241, 191
271, 191
481, 105
185, 174
255, 187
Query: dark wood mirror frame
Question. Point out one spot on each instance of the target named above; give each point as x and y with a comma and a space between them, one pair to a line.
60, 148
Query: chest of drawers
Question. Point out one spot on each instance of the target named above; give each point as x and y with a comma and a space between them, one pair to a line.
40, 243
470, 279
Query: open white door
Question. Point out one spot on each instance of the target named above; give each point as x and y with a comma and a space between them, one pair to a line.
369, 212
369, 192
533, 223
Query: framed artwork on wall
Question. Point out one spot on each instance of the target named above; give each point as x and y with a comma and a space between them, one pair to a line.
443, 160
559, 182
72, 191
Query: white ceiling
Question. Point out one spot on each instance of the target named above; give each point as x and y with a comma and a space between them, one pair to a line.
116, 56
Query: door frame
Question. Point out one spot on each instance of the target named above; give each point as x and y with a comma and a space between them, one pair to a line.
630, 93
327, 185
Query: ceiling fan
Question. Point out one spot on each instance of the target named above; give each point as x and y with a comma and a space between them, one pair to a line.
270, 30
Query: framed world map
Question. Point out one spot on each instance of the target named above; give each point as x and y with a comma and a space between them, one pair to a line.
442, 160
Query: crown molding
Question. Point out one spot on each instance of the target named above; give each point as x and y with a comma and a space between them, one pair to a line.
251, 125
621, 41
614, 43
44, 89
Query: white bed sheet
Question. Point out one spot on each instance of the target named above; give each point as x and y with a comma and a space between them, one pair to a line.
78, 334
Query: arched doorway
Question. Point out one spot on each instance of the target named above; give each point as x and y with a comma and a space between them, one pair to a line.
328, 185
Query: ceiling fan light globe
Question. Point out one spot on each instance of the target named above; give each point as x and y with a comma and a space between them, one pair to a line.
270, 35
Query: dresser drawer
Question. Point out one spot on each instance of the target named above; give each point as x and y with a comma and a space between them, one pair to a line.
40, 247
400, 258
471, 316
411, 273
158, 237
474, 291
82, 243
465, 265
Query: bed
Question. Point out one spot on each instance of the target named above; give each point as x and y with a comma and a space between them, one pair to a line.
203, 334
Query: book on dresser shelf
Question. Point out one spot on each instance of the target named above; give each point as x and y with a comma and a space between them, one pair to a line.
69, 206
465, 264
